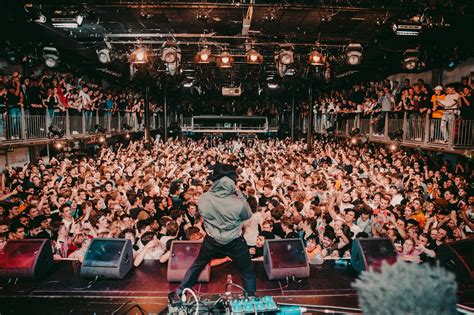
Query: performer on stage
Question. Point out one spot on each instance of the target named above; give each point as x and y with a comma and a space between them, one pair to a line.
224, 210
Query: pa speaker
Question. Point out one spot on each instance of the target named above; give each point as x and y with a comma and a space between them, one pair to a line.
370, 253
107, 258
285, 258
183, 255
30, 258
458, 257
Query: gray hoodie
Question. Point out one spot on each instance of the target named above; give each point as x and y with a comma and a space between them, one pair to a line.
224, 211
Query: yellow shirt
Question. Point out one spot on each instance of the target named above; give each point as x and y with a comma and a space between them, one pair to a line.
437, 113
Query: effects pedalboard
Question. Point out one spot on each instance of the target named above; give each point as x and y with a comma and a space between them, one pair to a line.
235, 305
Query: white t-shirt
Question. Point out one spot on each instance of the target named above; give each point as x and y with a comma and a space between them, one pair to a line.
251, 230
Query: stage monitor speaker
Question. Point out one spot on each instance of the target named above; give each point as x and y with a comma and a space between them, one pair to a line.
285, 258
30, 258
458, 257
370, 253
183, 254
108, 258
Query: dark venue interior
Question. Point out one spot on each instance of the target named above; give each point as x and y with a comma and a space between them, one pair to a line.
236, 157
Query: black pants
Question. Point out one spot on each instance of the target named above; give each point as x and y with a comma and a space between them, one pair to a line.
237, 250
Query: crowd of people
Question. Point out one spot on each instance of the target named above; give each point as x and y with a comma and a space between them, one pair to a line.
149, 192
53, 93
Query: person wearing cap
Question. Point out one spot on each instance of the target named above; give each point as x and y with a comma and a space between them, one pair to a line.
224, 210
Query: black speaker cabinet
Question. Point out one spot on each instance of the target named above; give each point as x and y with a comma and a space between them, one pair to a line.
183, 254
458, 257
107, 258
370, 253
285, 257
30, 258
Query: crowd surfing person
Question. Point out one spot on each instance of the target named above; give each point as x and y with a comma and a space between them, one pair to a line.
327, 197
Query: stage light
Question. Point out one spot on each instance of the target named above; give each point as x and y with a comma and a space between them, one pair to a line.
50, 57
127, 136
354, 140
41, 19
99, 129
139, 56
101, 139
171, 56
55, 132
58, 145
411, 59
317, 59
67, 19
225, 60
204, 56
354, 54
407, 28
393, 147
453, 60
285, 56
103, 55
254, 57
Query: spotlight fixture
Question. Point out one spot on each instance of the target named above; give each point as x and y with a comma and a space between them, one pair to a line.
99, 129
453, 60
285, 56
101, 139
411, 59
393, 147
103, 55
283, 59
225, 60
317, 59
58, 145
139, 56
254, 57
203, 56
127, 136
407, 28
55, 132
353, 54
353, 140
41, 19
67, 19
50, 57
171, 56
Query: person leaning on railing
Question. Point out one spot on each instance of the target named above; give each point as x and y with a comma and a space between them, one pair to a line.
450, 105
466, 104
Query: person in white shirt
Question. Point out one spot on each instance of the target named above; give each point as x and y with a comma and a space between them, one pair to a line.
150, 248
450, 104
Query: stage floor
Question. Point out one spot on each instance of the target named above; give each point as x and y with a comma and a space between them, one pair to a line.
62, 290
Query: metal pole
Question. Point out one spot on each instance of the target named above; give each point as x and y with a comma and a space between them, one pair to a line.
147, 113
293, 116
166, 116
309, 130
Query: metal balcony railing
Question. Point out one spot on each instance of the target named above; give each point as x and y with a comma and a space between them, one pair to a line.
406, 128
71, 123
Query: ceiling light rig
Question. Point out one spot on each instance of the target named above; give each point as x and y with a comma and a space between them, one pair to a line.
171, 56
316, 58
203, 56
225, 60
254, 57
139, 56
354, 54
283, 59
411, 59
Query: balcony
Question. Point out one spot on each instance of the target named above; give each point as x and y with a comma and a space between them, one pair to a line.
407, 129
27, 130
